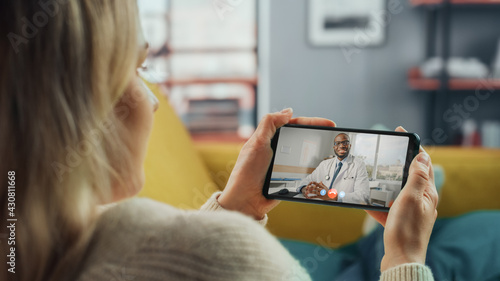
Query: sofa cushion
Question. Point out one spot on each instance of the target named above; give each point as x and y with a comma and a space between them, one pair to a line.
175, 173
472, 179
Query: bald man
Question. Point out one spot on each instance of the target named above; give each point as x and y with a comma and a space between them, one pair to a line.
344, 173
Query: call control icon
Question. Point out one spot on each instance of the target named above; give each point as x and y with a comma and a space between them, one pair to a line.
332, 193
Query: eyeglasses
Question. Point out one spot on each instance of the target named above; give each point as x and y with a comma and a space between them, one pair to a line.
346, 142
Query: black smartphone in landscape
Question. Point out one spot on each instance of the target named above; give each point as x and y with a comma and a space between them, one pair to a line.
339, 166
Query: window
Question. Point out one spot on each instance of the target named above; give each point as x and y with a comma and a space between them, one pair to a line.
384, 156
205, 56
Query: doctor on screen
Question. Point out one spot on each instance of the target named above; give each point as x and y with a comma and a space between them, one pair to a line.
342, 178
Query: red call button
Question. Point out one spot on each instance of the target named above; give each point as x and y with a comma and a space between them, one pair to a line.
332, 193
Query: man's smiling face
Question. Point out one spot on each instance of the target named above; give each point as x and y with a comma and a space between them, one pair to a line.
341, 146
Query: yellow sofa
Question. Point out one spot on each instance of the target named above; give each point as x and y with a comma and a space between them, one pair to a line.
184, 174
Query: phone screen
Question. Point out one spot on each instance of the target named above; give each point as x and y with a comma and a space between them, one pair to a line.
347, 167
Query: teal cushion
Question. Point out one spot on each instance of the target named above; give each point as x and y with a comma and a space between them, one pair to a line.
461, 248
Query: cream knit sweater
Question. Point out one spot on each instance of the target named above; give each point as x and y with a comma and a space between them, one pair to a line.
141, 239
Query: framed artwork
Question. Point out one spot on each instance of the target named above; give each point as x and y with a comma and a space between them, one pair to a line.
359, 23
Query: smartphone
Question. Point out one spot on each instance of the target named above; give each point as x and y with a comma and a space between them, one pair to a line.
354, 168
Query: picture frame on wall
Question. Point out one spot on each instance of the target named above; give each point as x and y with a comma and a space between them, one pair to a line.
359, 23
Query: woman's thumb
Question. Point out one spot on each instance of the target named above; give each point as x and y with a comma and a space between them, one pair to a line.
419, 175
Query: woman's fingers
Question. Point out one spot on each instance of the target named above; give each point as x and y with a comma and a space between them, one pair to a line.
403, 130
421, 149
271, 122
312, 121
420, 180
380, 217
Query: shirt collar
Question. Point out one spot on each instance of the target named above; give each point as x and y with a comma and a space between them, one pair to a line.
344, 161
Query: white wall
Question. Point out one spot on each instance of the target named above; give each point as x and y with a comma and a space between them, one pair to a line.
294, 139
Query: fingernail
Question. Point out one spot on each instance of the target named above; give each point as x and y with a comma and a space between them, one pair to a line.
287, 110
401, 127
424, 158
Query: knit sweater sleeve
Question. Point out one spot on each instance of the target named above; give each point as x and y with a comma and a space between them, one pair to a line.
408, 272
145, 240
213, 205
222, 246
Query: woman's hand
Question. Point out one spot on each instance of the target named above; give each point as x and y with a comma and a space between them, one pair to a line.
243, 191
409, 223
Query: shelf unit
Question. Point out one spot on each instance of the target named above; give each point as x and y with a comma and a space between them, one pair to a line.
438, 14
418, 82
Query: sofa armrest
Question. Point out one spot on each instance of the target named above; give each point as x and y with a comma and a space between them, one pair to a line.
472, 179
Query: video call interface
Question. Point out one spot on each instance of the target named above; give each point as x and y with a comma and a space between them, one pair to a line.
336, 166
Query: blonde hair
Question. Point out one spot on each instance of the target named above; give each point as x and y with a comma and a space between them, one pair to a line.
63, 68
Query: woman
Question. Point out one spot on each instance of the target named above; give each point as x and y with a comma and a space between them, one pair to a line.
75, 121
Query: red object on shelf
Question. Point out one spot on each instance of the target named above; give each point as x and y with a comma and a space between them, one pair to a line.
425, 2
473, 84
418, 82
454, 2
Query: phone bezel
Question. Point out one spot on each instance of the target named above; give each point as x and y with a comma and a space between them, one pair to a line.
412, 151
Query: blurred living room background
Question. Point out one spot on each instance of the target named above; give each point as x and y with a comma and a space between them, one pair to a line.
432, 67
218, 66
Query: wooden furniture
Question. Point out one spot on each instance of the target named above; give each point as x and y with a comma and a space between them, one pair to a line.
438, 26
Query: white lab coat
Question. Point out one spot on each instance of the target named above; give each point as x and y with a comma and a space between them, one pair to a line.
352, 179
